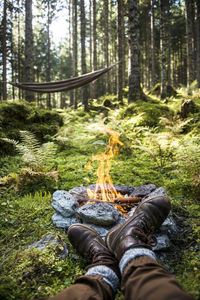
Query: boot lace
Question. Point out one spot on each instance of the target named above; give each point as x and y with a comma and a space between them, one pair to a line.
147, 239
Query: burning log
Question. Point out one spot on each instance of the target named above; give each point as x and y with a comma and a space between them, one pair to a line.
122, 201
127, 200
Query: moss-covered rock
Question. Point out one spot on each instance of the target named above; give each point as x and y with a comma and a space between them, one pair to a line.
147, 113
171, 92
16, 116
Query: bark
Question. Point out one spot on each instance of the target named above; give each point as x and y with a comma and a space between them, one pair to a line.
198, 41
90, 33
153, 73
19, 52
83, 53
12, 54
74, 8
28, 48
147, 43
106, 43
4, 50
120, 49
48, 75
70, 46
163, 48
190, 46
94, 51
135, 91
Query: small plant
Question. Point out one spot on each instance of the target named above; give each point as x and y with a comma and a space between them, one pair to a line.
33, 154
38, 167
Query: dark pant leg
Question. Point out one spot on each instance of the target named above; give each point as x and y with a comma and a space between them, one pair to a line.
145, 279
86, 288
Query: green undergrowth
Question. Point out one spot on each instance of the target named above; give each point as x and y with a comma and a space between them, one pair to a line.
158, 147
18, 115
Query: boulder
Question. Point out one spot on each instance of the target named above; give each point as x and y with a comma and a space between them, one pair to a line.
63, 222
64, 203
157, 192
61, 247
99, 214
143, 190
163, 242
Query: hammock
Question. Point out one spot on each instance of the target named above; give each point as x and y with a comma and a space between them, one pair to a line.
62, 85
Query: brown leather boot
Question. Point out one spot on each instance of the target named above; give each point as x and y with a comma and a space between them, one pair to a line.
90, 245
135, 232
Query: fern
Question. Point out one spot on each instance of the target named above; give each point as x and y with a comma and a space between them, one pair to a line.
33, 154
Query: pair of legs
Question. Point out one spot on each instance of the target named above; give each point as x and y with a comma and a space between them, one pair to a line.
125, 257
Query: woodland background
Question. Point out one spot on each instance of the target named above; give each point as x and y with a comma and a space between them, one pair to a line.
151, 98
154, 41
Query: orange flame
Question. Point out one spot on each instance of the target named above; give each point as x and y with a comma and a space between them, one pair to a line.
104, 185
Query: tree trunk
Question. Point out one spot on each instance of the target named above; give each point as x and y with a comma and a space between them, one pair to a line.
135, 91
163, 48
48, 75
153, 81
90, 33
28, 48
71, 101
74, 8
12, 54
19, 59
189, 33
4, 50
83, 54
120, 49
198, 41
94, 33
106, 43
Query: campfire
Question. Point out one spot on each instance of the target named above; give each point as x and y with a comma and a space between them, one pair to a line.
104, 204
105, 190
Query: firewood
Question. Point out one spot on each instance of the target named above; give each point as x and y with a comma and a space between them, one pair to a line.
127, 200
123, 201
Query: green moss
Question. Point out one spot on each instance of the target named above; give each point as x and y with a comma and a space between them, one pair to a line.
146, 113
152, 153
16, 116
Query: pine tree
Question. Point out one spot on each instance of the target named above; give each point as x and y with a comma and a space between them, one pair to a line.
4, 50
83, 53
28, 47
135, 90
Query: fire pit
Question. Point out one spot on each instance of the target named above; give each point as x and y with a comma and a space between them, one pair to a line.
104, 204
73, 206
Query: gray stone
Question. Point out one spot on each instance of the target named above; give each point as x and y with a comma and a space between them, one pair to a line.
157, 192
64, 203
169, 226
63, 222
123, 189
143, 190
163, 242
50, 239
78, 190
98, 214
131, 212
121, 220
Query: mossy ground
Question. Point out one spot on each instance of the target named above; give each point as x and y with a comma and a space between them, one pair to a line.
158, 148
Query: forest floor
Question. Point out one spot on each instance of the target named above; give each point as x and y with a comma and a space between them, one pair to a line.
159, 147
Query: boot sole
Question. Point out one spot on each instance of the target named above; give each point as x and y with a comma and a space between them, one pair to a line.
128, 221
